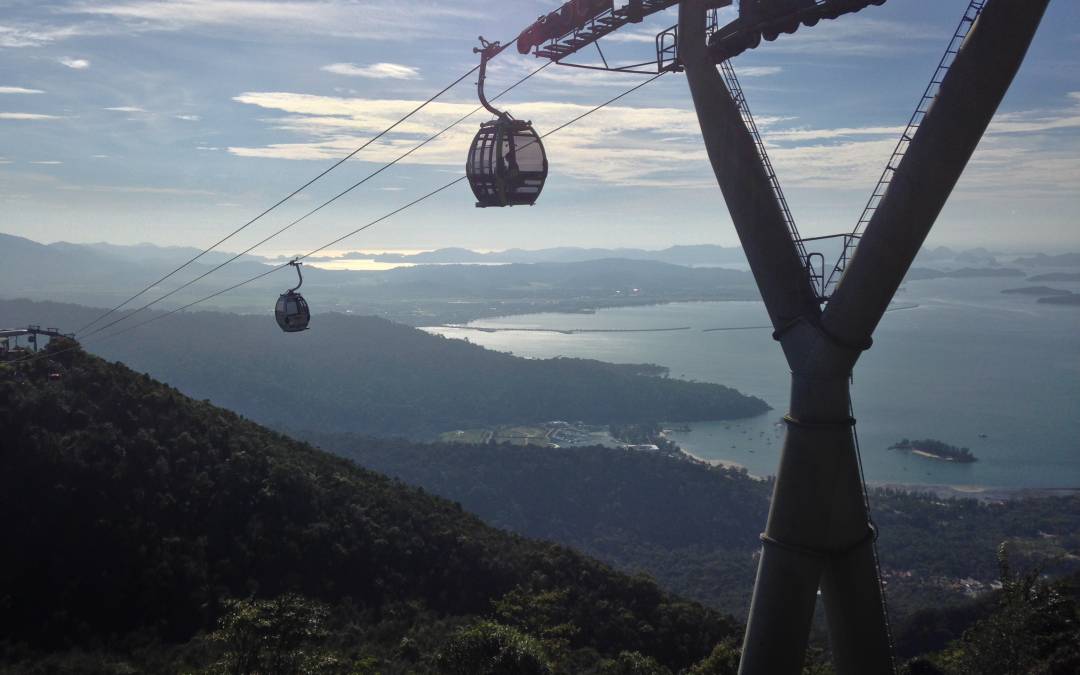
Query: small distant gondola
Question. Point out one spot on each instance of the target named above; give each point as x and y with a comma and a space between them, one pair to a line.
292, 312
507, 165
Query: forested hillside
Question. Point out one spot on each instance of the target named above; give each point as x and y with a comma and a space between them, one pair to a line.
695, 527
147, 532
352, 373
175, 535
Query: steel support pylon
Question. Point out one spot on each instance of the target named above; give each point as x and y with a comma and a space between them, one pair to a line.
817, 536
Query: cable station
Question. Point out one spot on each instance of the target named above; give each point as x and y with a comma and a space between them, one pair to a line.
819, 538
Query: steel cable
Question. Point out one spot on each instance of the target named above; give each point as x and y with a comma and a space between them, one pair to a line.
281, 201
343, 237
318, 208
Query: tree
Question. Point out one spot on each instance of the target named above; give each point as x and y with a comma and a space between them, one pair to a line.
633, 663
489, 648
1033, 629
724, 660
274, 637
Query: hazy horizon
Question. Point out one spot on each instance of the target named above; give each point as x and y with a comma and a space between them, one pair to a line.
274, 253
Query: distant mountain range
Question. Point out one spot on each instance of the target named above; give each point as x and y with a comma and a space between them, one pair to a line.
430, 288
1043, 260
104, 276
919, 273
694, 255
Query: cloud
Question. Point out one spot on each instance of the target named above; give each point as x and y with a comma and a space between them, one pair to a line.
47, 161
76, 64
643, 36
20, 90
188, 118
138, 189
618, 145
127, 109
377, 71
1023, 153
512, 67
660, 146
802, 135
857, 35
26, 116
368, 19
758, 71
1039, 120
25, 36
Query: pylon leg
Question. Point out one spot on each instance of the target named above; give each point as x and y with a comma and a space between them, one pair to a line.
817, 536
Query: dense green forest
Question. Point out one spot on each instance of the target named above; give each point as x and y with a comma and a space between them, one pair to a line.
695, 527
144, 524
352, 373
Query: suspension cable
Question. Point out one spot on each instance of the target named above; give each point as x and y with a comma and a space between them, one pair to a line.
282, 200
372, 223
461, 178
315, 210
873, 541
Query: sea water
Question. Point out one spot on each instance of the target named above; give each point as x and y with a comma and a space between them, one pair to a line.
954, 360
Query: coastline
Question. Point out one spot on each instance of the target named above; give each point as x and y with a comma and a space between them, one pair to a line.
982, 493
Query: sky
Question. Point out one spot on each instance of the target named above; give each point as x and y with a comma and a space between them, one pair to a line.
174, 122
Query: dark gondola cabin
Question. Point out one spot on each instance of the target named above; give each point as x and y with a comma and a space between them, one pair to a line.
291, 311
507, 165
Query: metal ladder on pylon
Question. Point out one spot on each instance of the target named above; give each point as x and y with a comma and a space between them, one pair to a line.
817, 277
972, 12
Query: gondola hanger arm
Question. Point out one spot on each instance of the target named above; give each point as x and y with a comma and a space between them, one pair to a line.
295, 262
487, 51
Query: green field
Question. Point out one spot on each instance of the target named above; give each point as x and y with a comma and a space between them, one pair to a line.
514, 435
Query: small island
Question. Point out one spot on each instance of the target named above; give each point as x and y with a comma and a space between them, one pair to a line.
1041, 291
936, 450
1071, 299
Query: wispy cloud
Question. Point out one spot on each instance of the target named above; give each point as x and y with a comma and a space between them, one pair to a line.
803, 135
1022, 153
34, 36
20, 90
1039, 120
642, 35
27, 116
858, 35
188, 118
47, 162
618, 145
369, 19
377, 71
137, 189
76, 64
127, 109
759, 71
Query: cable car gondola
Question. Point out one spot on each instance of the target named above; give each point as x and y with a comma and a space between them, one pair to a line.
507, 165
292, 311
